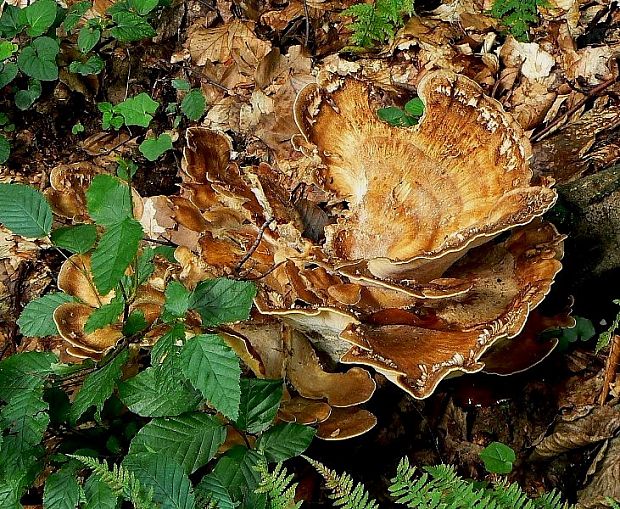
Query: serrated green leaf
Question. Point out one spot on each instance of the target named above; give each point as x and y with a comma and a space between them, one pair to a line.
98, 494
167, 344
415, 107
260, 400
75, 12
62, 490
24, 372
143, 7
284, 441
171, 486
192, 440
26, 98
211, 488
98, 386
8, 73
152, 148
236, 470
138, 110
25, 417
109, 200
12, 21
10, 493
177, 301
5, 149
38, 60
37, 318
135, 323
79, 238
131, 27
24, 211
498, 458
213, 368
40, 16
88, 38
117, 247
194, 104
94, 65
104, 316
144, 396
223, 300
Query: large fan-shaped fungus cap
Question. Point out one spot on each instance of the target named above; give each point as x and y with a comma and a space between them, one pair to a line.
442, 186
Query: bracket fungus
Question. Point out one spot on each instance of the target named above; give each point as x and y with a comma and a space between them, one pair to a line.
391, 258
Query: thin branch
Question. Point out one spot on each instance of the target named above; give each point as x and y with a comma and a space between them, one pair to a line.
592, 93
254, 247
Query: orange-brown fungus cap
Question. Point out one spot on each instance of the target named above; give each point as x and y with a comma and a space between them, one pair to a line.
460, 175
71, 318
344, 423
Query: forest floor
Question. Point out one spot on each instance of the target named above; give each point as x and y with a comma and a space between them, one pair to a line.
250, 59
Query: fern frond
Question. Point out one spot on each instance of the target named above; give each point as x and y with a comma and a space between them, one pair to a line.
344, 492
278, 486
122, 482
376, 23
517, 15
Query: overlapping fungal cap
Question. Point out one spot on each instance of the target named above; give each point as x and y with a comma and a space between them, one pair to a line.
75, 279
459, 176
393, 261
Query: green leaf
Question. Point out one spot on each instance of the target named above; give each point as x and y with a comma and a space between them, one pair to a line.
116, 249
222, 300
62, 490
39, 59
152, 148
260, 400
284, 441
7, 48
414, 107
143, 7
135, 323
5, 149
145, 267
24, 372
167, 344
181, 84
171, 486
192, 440
211, 488
40, 16
104, 316
131, 27
75, 12
12, 21
177, 301
213, 368
10, 493
24, 211
79, 238
498, 458
26, 98
26, 417
236, 470
98, 494
78, 127
98, 386
108, 200
138, 110
144, 396
194, 105
392, 115
37, 318
126, 169
8, 73
88, 38
94, 65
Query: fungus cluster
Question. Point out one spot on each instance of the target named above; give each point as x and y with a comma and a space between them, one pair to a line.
414, 251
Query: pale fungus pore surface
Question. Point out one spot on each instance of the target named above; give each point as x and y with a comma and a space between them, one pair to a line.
390, 257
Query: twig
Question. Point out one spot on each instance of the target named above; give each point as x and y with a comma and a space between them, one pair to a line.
161, 242
254, 247
611, 367
307, 16
594, 92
